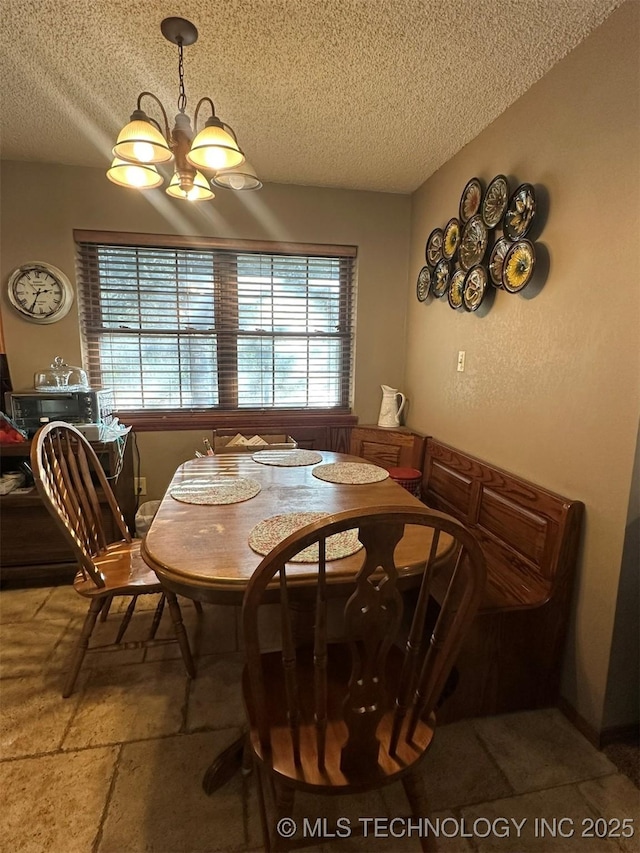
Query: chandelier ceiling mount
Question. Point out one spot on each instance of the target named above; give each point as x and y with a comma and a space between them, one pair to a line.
144, 143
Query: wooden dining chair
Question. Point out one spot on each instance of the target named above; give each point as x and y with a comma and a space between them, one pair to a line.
75, 490
350, 716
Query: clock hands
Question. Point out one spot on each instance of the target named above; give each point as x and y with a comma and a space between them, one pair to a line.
38, 293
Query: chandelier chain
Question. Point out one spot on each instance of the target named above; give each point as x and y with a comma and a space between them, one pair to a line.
182, 97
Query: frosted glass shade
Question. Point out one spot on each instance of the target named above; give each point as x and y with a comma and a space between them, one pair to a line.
133, 175
199, 192
242, 177
141, 142
214, 148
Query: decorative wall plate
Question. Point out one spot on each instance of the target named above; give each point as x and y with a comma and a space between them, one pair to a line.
424, 284
518, 266
495, 201
451, 239
473, 243
496, 260
456, 288
475, 287
470, 199
520, 212
433, 251
441, 275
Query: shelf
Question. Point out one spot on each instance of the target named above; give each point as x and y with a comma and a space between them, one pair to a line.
15, 449
33, 549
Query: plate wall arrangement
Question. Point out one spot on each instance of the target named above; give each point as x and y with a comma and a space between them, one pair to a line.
485, 244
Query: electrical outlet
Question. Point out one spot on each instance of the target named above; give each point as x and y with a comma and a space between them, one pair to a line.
461, 357
140, 485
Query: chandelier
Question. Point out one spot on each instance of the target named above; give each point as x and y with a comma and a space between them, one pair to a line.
143, 143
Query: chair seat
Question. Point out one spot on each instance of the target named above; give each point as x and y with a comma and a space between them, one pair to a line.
123, 570
331, 778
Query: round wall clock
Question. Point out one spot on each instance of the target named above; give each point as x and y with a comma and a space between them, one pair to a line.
40, 292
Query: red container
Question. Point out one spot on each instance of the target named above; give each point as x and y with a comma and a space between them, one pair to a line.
408, 478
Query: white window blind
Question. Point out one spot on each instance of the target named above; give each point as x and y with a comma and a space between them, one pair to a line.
199, 327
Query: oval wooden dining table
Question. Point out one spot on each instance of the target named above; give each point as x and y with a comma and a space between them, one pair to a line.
202, 551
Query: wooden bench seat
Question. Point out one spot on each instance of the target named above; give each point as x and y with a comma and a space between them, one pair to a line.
530, 536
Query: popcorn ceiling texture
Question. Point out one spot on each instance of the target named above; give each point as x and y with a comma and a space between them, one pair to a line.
360, 94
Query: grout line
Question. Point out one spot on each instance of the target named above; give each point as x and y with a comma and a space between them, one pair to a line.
105, 810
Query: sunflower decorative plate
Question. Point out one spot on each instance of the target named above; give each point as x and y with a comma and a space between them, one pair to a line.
495, 201
518, 266
456, 288
475, 287
433, 250
441, 276
470, 199
451, 239
520, 212
423, 285
473, 243
496, 260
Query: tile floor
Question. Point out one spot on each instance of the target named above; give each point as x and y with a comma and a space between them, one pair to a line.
118, 766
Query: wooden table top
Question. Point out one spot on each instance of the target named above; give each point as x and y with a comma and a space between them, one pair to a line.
202, 551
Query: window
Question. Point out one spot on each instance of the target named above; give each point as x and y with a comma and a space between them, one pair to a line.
197, 324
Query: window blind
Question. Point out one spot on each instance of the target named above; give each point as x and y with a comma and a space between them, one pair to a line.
197, 326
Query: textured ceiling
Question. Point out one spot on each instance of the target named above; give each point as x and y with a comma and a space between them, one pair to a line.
362, 94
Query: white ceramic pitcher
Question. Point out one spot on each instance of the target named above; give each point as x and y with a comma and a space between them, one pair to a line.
392, 405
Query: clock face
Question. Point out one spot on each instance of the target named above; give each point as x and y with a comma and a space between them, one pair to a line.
40, 292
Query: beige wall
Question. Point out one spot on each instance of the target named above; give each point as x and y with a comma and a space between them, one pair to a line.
42, 204
550, 389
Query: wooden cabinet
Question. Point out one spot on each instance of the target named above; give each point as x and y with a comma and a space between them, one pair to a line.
389, 448
32, 548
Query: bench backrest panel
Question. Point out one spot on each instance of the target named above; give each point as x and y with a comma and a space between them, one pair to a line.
529, 535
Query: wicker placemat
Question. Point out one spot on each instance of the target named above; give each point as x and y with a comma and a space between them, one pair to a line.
221, 490
287, 458
351, 473
268, 533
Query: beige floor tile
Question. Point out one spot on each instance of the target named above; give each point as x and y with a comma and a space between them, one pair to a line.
213, 632
215, 698
130, 703
33, 716
616, 799
457, 771
63, 603
158, 804
22, 605
564, 810
540, 749
26, 647
54, 803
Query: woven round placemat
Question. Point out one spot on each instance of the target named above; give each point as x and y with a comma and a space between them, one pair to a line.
222, 490
287, 458
271, 531
351, 473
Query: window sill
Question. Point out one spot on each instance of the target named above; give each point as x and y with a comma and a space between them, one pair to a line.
276, 420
